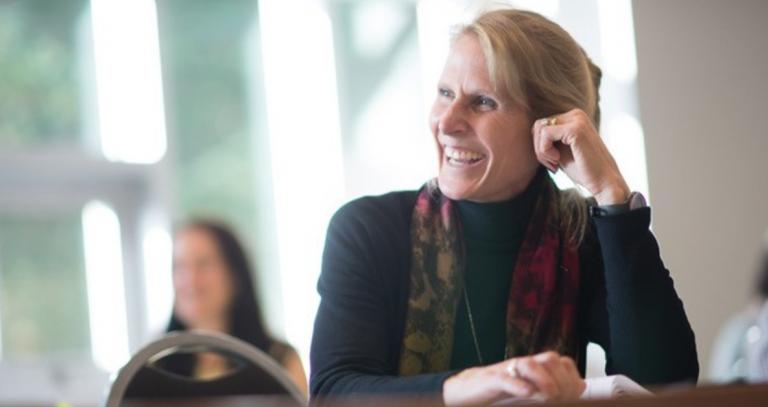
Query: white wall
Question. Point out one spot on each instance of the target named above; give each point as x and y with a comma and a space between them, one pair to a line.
703, 86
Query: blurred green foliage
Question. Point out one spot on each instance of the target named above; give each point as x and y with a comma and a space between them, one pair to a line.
205, 52
39, 71
43, 297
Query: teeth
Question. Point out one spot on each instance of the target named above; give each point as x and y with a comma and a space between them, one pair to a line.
462, 155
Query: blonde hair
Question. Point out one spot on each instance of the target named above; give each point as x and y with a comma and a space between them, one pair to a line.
535, 63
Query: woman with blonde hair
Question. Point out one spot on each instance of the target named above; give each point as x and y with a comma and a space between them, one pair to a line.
489, 282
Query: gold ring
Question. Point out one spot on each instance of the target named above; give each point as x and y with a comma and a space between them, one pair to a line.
550, 121
512, 368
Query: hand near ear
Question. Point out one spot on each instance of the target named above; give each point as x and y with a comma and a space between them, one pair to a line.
570, 141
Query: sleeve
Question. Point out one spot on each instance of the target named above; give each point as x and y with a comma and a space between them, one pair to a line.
351, 352
634, 312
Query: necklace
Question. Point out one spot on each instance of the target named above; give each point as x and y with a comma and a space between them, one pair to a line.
472, 326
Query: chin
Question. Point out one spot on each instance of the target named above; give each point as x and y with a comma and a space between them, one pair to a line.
456, 191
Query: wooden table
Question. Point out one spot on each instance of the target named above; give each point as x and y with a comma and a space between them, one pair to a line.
707, 396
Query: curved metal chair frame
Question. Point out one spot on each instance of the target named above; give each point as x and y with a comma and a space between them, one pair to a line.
210, 341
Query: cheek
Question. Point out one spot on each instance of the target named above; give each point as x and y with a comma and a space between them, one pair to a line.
221, 287
181, 281
186, 301
434, 127
512, 155
434, 118
512, 145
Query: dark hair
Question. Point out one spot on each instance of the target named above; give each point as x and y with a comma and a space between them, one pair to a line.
245, 319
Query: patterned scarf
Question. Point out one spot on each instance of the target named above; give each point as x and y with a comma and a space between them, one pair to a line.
541, 310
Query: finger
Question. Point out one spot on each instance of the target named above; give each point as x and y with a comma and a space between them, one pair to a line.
544, 144
538, 125
566, 154
551, 362
529, 369
570, 366
570, 116
555, 165
563, 379
513, 384
549, 164
568, 378
517, 387
552, 167
551, 141
556, 119
560, 133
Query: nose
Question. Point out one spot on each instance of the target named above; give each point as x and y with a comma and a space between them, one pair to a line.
451, 119
186, 277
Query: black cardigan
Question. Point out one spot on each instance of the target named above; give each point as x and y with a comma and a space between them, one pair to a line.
628, 304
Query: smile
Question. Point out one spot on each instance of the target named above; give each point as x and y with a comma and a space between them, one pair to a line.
461, 156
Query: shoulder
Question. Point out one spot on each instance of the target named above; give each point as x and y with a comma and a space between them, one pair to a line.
370, 237
372, 216
281, 351
287, 356
394, 204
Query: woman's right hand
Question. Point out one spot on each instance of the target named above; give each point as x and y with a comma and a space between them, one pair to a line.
546, 375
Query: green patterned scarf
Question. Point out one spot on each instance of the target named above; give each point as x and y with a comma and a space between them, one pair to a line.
541, 310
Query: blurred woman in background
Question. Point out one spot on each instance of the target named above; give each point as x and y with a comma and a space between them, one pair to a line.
741, 349
214, 291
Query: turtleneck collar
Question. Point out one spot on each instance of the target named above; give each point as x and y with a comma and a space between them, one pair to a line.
502, 222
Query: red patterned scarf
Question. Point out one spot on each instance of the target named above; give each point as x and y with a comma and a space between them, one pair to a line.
541, 310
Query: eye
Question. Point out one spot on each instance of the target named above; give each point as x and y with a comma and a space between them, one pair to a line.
486, 103
444, 92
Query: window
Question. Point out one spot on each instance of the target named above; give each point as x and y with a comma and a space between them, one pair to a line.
41, 256
55, 184
222, 109
39, 105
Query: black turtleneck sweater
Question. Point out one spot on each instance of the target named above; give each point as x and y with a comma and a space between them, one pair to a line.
627, 301
492, 234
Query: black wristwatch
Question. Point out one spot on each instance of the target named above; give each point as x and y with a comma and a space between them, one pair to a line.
636, 200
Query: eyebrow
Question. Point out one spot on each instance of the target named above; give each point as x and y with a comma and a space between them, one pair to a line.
473, 92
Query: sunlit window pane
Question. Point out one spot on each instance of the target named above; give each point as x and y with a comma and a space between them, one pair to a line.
106, 287
129, 88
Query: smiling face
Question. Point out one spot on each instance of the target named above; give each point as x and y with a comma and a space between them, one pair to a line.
484, 140
202, 280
